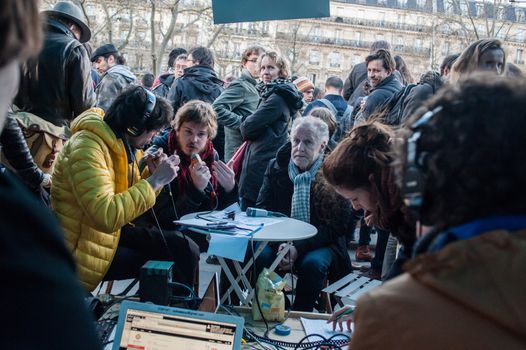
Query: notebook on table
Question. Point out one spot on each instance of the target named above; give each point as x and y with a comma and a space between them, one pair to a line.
149, 326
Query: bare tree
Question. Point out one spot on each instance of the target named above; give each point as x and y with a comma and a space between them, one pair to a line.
470, 20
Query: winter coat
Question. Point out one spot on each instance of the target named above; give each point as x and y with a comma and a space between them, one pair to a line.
199, 83
381, 94
64, 88
427, 87
357, 75
468, 295
330, 213
239, 100
267, 131
113, 82
165, 82
91, 195
41, 289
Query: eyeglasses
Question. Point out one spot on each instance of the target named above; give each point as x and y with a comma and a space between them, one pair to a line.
254, 60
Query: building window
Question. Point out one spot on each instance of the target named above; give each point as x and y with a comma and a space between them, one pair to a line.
399, 43
421, 3
356, 59
338, 35
518, 56
264, 27
313, 78
402, 3
334, 60
359, 37
445, 48
314, 57
316, 33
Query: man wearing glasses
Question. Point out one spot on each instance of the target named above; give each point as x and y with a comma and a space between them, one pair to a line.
239, 100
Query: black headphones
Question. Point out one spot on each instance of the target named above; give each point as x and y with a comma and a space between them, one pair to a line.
137, 130
413, 184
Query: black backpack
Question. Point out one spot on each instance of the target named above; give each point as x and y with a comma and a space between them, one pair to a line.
394, 107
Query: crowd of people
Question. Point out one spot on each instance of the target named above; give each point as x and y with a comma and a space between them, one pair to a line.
97, 165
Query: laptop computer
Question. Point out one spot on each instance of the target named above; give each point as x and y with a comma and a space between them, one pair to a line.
210, 301
149, 326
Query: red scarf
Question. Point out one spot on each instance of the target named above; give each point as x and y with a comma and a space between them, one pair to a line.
183, 178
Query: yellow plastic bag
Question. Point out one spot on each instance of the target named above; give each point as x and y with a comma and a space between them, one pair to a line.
269, 289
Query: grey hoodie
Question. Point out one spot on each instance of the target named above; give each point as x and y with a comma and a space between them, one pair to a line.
113, 82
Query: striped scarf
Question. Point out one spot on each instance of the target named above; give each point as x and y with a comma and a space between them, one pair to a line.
301, 197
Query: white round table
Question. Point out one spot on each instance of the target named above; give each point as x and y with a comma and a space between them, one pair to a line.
286, 230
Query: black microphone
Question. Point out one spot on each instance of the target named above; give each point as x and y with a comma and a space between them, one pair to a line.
256, 212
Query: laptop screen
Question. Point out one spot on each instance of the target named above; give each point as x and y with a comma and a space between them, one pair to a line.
176, 329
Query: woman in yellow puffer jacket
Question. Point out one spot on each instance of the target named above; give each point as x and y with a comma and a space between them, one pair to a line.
98, 191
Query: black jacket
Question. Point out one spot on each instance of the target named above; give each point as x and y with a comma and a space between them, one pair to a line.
330, 213
165, 83
267, 131
381, 94
41, 290
427, 87
357, 75
64, 87
199, 83
17, 153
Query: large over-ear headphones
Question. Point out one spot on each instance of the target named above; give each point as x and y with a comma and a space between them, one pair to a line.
138, 129
416, 163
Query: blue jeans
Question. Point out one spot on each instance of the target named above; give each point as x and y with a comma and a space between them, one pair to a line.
379, 252
311, 269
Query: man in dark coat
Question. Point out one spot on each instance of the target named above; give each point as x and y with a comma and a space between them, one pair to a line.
57, 87
380, 69
239, 100
199, 82
325, 254
115, 78
176, 65
359, 73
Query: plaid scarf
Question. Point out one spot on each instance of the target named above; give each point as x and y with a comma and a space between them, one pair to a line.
301, 197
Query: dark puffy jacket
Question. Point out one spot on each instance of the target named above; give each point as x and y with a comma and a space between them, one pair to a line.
331, 214
381, 94
17, 153
165, 83
239, 100
64, 87
199, 83
267, 129
428, 85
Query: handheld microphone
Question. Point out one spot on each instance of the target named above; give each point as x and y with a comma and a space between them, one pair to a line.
195, 159
256, 212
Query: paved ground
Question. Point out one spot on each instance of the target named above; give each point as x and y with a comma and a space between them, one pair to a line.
206, 272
